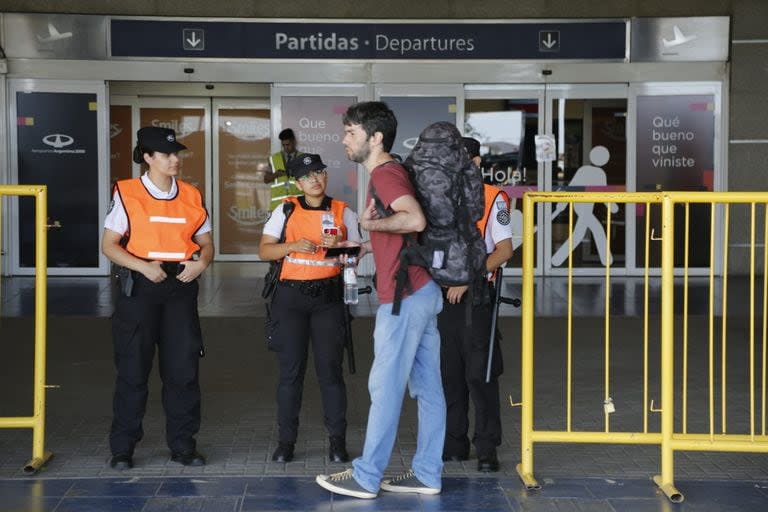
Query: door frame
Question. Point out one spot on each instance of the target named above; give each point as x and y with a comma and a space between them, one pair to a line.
100, 89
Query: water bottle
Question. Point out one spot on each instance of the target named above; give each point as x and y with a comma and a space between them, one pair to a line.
350, 281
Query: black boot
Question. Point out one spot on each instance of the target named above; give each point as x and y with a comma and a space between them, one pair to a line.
488, 462
337, 452
283, 453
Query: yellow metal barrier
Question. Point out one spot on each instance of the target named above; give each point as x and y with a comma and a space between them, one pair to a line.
723, 441
529, 435
668, 440
37, 421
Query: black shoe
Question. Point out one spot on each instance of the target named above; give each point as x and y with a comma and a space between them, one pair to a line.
121, 461
190, 458
337, 452
455, 457
283, 453
488, 463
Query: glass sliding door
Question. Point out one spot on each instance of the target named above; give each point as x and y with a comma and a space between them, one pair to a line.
190, 118
315, 112
241, 146
506, 120
589, 125
122, 138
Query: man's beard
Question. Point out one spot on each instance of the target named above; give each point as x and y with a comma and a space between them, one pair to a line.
361, 155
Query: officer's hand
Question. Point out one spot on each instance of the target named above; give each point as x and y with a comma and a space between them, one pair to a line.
303, 245
192, 269
154, 272
454, 293
329, 240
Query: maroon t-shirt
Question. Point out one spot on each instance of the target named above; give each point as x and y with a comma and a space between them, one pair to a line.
391, 182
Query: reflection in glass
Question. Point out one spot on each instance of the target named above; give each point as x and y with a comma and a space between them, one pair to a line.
506, 130
189, 124
592, 148
244, 198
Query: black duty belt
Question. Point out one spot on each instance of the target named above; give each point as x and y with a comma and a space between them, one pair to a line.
314, 287
172, 268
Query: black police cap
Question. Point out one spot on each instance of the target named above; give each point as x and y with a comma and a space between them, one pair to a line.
472, 146
155, 138
303, 164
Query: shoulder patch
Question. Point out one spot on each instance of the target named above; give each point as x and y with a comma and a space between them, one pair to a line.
502, 216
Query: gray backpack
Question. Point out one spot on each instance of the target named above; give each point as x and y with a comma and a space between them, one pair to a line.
449, 188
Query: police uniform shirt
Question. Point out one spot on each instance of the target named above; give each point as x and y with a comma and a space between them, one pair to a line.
117, 220
499, 226
274, 226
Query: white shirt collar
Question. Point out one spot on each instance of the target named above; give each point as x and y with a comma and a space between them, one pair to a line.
156, 192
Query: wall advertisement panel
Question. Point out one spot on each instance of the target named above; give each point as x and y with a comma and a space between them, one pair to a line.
57, 145
676, 151
317, 123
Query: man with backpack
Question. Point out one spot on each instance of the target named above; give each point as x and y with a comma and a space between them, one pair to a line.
406, 345
464, 349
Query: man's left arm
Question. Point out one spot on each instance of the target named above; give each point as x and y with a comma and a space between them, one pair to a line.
407, 217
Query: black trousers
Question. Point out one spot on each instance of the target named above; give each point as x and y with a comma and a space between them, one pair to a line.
162, 315
463, 363
295, 318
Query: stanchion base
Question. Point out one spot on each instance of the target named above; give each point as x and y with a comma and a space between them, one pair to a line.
528, 480
34, 465
670, 490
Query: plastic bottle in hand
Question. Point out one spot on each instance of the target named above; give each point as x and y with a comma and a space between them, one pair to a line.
350, 280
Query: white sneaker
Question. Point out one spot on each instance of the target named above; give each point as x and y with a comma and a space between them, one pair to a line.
407, 482
344, 483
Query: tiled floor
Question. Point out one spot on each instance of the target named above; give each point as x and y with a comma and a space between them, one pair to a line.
237, 494
238, 431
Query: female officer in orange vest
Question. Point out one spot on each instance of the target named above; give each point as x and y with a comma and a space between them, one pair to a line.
307, 303
156, 224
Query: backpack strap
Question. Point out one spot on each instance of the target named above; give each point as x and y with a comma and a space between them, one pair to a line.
276, 266
401, 278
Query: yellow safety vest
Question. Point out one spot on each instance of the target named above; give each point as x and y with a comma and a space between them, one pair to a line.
283, 187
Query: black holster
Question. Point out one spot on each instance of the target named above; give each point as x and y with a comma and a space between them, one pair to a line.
125, 278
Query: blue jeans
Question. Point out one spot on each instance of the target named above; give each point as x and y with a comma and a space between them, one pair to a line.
406, 351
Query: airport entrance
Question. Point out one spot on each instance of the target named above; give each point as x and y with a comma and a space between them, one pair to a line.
549, 117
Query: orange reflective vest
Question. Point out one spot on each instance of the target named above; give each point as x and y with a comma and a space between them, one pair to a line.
161, 229
491, 196
307, 224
